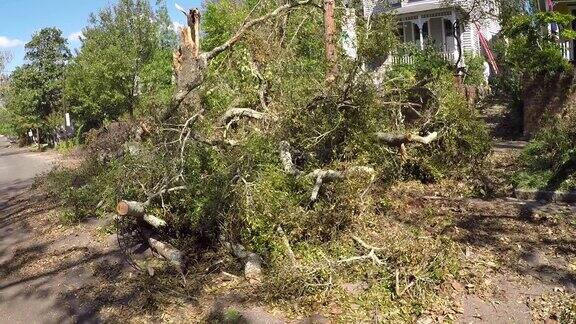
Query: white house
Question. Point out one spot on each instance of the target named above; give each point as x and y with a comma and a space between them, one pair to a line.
565, 7
431, 23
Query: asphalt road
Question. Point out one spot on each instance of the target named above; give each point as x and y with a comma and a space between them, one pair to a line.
49, 273
18, 167
19, 301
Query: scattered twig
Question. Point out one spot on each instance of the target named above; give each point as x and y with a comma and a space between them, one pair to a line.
370, 255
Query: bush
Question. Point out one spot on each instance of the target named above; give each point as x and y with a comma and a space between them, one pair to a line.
426, 64
545, 159
474, 70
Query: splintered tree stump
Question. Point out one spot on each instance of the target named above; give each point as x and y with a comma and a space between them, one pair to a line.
131, 208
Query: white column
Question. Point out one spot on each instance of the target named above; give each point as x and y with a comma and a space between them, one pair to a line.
421, 33
443, 45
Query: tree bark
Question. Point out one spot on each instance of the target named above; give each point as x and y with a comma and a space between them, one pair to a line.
131, 208
329, 43
168, 252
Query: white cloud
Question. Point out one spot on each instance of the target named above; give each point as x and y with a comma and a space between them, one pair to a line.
75, 37
6, 42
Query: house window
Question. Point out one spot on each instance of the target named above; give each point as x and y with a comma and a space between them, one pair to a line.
449, 28
400, 32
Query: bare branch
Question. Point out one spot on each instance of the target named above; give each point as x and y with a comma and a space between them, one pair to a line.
322, 176
234, 39
242, 112
394, 139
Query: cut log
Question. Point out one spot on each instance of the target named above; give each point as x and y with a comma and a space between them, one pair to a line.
131, 208
252, 261
154, 221
168, 252
394, 139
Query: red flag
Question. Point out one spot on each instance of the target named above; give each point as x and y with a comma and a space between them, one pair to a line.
489, 54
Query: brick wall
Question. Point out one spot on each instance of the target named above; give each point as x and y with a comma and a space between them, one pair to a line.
546, 96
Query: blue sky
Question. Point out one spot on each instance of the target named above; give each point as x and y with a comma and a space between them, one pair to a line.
19, 19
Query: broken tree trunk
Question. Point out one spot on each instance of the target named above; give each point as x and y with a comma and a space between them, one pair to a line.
189, 67
190, 64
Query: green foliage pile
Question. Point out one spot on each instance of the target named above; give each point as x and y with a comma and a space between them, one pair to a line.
242, 193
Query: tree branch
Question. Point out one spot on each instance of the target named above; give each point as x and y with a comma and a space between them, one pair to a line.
234, 39
242, 112
394, 139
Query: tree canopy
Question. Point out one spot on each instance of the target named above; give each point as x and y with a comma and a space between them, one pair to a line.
125, 51
35, 89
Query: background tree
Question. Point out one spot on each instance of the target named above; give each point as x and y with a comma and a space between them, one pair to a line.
4, 59
35, 89
4, 115
124, 61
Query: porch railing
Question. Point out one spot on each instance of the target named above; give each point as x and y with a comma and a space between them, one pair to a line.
407, 58
567, 50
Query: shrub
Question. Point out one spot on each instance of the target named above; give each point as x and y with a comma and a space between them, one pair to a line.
474, 69
545, 159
